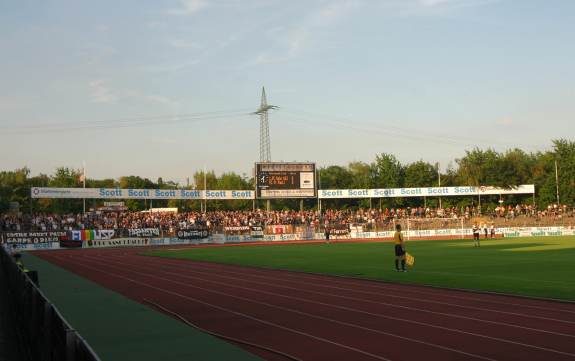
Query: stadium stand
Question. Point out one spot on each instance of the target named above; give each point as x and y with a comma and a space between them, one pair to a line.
228, 221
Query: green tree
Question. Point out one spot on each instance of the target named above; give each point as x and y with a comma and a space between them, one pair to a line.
388, 173
136, 182
419, 174
14, 187
335, 177
565, 157
65, 177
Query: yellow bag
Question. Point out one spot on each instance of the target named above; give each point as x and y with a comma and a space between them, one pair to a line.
409, 259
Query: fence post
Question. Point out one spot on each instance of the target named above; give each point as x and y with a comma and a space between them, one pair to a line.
47, 332
70, 345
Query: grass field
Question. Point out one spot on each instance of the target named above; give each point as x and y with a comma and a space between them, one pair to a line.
531, 266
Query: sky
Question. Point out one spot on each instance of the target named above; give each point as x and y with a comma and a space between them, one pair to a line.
165, 88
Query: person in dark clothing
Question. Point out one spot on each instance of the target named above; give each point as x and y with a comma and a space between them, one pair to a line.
399, 249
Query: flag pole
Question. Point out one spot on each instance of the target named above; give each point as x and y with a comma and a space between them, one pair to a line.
205, 191
439, 182
84, 184
557, 182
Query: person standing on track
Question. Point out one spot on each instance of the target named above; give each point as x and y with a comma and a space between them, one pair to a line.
399, 249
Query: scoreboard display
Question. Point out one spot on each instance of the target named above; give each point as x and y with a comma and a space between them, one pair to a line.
285, 180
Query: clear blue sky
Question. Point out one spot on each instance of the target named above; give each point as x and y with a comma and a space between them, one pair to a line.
162, 88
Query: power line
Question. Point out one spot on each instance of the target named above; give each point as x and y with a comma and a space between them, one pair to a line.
121, 123
401, 132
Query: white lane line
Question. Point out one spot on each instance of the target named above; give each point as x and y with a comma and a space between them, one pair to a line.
497, 339
204, 271
435, 302
225, 309
407, 288
445, 348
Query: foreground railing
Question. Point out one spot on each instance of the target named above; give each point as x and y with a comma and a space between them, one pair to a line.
42, 332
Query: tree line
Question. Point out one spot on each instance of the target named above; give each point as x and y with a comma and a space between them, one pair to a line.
477, 167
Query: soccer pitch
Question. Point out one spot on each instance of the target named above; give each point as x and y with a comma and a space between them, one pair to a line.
530, 266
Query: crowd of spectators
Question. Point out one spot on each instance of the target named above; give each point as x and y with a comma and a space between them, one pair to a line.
220, 220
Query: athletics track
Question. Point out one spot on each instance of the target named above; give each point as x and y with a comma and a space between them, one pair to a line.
318, 317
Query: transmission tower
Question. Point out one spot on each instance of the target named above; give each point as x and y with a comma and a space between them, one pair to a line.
265, 153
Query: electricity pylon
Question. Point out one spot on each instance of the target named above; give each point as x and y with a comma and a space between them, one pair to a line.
265, 153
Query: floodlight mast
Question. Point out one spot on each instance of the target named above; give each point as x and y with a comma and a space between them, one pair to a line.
265, 152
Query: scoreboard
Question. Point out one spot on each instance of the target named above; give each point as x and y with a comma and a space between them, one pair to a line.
285, 180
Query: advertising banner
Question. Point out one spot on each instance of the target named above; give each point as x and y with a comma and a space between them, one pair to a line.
69, 243
117, 193
118, 242
34, 246
276, 186
423, 192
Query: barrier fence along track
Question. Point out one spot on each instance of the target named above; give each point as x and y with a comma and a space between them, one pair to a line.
43, 333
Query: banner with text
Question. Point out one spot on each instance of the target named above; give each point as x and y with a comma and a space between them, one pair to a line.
143, 232
117, 193
90, 234
193, 233
32, 237
257, 232
338, 229
423, 192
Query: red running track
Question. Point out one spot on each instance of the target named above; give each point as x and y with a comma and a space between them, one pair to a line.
317, 317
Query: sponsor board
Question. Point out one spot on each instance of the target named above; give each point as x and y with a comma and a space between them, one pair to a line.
423, 192
238, 238
195, 241
268, 184
117, 242
68, 243
288, 237
506, 232
117, 193
159, 241
221, 238
179, 241
218, 238
34, 246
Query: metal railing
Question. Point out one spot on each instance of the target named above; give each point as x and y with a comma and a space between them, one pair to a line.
42, 332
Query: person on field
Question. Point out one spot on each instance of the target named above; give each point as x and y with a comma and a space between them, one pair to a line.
399, 249
485, 229
476, 232
492, 230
